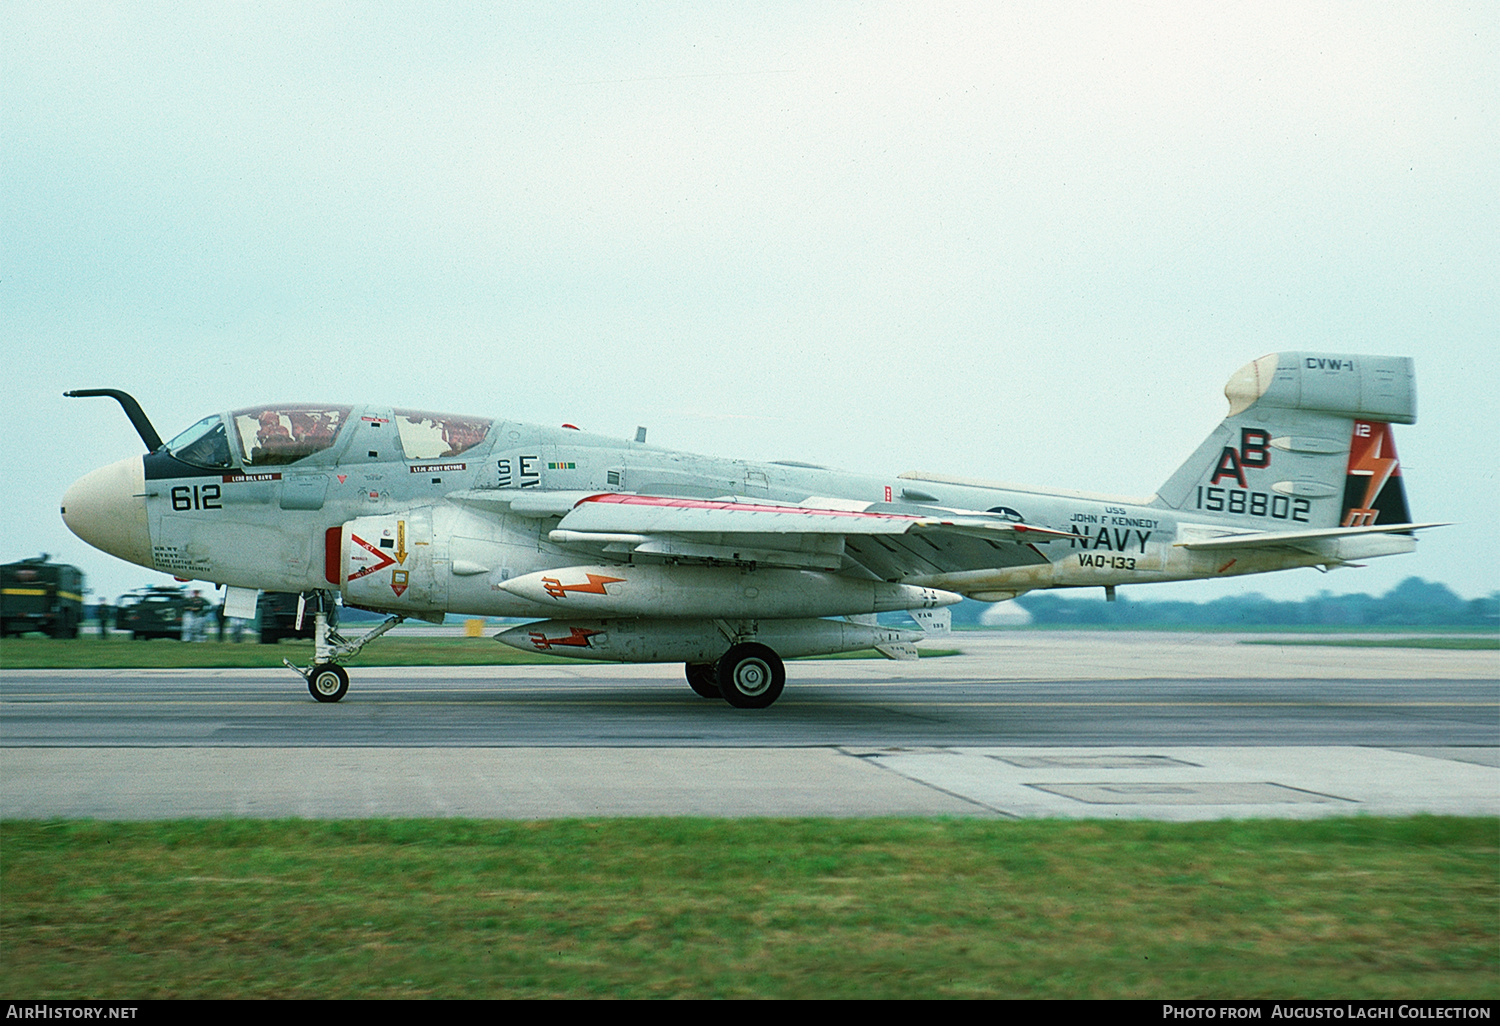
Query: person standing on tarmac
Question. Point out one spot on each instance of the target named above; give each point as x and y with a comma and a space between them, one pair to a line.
194, 613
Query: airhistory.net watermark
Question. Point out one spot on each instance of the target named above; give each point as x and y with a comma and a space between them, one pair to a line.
44, 1010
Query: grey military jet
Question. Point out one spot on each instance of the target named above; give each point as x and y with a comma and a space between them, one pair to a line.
624, 551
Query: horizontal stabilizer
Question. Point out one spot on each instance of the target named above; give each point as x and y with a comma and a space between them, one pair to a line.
1273, 539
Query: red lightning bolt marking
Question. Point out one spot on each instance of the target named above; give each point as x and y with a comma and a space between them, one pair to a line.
595, 586
577, 638
1367, 457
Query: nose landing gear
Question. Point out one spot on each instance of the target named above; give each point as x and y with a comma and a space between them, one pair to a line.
327, 681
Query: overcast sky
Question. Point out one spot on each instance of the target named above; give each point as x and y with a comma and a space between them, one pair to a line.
1023, 241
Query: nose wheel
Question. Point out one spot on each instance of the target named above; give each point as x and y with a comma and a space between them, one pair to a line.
328, 682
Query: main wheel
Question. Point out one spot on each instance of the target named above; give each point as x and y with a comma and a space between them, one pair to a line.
328, 682
703, 678
750, 676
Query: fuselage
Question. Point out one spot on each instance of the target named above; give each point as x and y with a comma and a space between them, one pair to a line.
256, 499
625, 551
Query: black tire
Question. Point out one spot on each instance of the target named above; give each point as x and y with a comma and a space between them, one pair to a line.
750, 676
703, 678
328, 682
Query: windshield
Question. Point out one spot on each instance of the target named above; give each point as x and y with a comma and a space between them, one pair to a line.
205, 444
271, 435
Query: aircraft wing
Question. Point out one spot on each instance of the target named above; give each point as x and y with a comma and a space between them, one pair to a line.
891, 542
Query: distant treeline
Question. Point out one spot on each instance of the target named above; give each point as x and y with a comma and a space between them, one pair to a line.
1412, 603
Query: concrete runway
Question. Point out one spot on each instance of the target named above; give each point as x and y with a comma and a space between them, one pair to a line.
1110, 725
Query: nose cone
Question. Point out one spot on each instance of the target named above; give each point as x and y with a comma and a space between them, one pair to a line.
107, 509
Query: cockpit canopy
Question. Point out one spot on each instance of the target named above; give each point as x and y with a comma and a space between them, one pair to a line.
274, 435
436, 436
266, 436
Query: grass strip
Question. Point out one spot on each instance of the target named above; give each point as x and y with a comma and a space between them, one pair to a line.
825, 908
122, 654
1419, 641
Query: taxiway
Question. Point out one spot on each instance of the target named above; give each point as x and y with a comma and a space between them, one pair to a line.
1171, 726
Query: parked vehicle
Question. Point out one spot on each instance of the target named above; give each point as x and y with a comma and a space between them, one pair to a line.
37, 595
153, 612
277, 612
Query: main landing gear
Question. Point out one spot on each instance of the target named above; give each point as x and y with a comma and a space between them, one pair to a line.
703, 678
748, 676
327, 681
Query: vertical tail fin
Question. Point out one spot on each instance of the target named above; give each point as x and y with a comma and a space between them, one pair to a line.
1307, 444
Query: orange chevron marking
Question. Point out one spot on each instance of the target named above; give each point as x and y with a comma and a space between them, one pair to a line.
385, 560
